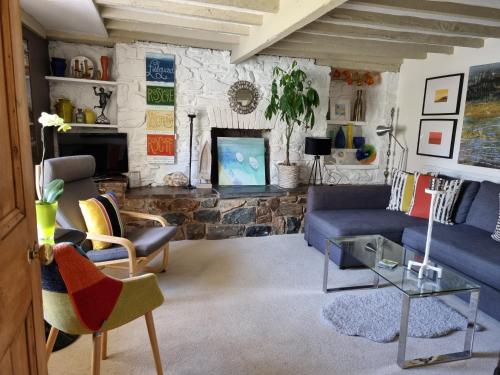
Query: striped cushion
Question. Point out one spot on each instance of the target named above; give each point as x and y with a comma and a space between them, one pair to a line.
445, 203
102, 216
401, 191
496, 235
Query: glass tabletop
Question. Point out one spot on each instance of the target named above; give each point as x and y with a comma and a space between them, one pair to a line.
372, 249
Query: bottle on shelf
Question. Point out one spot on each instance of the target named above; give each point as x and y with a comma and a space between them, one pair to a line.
358, 111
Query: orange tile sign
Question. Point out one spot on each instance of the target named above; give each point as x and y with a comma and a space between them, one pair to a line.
161, 146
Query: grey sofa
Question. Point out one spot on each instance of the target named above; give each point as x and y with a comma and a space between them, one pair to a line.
467, 246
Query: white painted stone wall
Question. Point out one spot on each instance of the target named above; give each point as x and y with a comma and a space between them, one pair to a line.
203, 78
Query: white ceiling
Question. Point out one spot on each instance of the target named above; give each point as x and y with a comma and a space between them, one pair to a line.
67, 16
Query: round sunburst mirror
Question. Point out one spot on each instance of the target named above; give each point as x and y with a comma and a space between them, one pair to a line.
243, 97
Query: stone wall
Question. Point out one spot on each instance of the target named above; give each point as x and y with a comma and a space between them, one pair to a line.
213, 218
203, 78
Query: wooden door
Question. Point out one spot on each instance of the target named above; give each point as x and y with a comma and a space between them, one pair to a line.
21, 321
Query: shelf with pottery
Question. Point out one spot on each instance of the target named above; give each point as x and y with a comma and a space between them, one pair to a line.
79, 125
80, 80
346, 122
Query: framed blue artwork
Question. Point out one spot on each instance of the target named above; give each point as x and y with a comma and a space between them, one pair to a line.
241, 161
160, 68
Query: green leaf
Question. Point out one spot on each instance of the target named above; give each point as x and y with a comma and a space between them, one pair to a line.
53, 190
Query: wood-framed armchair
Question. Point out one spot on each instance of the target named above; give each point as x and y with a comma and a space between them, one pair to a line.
136, 249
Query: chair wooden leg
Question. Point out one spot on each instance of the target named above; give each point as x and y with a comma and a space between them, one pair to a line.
166, 251
104, 346
51, 340
96, 353
154, 342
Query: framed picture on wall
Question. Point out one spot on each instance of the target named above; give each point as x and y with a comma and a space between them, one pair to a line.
436, 137
443, 94
341, 109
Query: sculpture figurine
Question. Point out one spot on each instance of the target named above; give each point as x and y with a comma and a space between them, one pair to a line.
103, 101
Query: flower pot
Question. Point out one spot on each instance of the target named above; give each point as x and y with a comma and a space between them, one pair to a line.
288, 176
46, 222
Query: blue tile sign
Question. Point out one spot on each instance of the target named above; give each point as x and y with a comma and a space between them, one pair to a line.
160, 68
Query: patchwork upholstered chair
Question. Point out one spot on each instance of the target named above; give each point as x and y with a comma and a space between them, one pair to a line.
79, 299
133, 251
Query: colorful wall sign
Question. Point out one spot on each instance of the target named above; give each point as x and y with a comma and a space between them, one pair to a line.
160, 112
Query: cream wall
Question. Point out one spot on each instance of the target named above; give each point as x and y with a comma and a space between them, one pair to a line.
410, 98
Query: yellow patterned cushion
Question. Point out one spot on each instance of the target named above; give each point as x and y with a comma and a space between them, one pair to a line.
408, 189
102, 216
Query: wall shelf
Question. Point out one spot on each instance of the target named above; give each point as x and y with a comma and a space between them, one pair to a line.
111, 126
344, 149
344, 122
81, 81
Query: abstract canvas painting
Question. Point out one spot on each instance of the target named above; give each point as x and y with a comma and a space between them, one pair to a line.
480, 140
241, 161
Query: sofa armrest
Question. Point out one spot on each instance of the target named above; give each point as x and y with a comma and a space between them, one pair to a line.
342, 197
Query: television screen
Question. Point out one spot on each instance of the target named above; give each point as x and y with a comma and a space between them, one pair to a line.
108, 149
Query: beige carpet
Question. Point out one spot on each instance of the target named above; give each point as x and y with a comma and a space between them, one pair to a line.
253, 306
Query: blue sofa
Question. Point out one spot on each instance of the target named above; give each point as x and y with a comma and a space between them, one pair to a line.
467, 246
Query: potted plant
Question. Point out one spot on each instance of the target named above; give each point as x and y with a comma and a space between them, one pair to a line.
46, 207
293, 100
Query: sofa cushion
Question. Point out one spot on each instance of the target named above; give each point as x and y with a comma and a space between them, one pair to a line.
465, 199
362, 221
483, 213
463, 247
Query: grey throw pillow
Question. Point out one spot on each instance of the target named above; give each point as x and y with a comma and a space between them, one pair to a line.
496, 234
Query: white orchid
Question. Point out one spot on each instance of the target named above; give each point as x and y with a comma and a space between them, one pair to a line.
47, 119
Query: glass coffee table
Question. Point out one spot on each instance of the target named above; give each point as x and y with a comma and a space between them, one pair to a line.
371, 249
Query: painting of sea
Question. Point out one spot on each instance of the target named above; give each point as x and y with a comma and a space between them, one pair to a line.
241, 161
480, 142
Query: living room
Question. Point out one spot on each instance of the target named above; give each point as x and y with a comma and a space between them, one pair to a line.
251, 187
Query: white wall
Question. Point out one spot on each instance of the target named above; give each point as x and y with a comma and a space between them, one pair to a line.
410, 99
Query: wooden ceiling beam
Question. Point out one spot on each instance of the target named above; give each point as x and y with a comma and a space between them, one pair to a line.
147, 37
172, 31
289, 18
191, 9
439, 7
333, 56
271, 6
86, 39
360, 65
414, 23
125, 14
326, 40
390, 35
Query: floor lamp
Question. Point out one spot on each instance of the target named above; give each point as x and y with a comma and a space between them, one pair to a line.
191, 116
383, 130
317, 146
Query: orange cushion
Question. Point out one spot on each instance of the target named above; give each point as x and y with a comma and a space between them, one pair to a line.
421, 202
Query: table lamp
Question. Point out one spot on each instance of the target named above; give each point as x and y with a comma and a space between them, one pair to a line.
317, 146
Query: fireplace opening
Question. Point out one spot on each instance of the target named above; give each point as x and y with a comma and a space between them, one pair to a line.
237, 133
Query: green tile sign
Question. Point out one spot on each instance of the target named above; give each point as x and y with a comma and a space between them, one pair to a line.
160, 95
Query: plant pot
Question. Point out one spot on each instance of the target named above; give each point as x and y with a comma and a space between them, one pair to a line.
46, 222
288, 176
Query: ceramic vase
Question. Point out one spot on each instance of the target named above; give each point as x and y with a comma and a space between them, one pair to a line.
340, 139
58, 66
349, 136
105, 68
46, 222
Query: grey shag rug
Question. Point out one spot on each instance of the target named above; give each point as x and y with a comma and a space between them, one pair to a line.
377, 316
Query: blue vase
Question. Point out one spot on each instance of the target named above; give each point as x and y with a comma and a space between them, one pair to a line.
340, 139
58, 66
358, 142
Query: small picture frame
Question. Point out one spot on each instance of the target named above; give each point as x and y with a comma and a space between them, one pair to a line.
436, 137
341, 110
443, 94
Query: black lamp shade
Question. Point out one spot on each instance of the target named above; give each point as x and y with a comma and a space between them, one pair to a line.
318, 146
